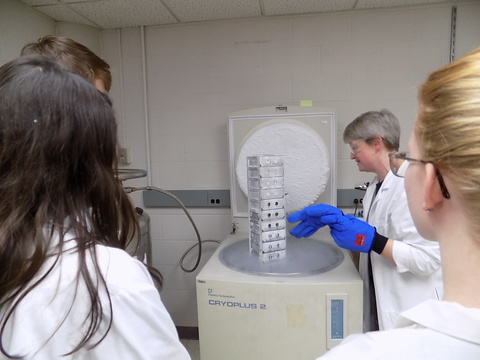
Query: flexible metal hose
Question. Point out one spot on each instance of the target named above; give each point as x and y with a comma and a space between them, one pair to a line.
130, 189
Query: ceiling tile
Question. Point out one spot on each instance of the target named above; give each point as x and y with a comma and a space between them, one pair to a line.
369, 4
290, 7
40, 2
194, 10
64, 13
77, 1
110, 14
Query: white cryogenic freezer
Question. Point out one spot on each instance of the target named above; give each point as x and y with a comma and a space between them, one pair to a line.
299, 306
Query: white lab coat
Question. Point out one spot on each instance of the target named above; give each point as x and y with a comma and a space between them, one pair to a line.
417, 275
141, 327
436, 330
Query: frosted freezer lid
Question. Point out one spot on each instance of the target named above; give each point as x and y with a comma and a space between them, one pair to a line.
305, 158
306, 256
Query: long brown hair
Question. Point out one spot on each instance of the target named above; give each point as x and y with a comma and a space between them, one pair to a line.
58, 142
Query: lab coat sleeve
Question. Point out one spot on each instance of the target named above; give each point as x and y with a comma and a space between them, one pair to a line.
141, 328
355, 346
377, 345
411, 252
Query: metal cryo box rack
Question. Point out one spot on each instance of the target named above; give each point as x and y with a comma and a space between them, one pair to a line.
266, 207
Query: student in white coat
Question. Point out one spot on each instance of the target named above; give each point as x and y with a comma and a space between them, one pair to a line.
398, 267
68, 290
442, 181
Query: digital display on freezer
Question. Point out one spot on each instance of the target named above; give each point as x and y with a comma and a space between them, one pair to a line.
337, 319
337, 315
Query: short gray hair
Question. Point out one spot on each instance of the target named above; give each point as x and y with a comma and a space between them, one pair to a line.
374, 123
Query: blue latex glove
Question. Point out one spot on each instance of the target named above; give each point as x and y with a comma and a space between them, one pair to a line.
347, 231
310, 218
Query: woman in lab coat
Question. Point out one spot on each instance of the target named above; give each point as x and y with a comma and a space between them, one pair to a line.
398, 267
442, 181
408, 270
68, 290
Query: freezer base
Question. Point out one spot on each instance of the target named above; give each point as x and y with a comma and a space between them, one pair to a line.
243, 316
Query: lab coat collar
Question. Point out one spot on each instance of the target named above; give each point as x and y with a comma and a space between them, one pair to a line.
445, 317
387, 182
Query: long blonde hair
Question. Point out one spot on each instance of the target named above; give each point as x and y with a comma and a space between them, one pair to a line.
448, 127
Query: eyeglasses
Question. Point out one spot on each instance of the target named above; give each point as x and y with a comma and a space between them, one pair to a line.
356, 146
398, 158
354, 149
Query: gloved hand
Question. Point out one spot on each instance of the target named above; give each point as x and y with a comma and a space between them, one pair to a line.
310, 218
350, 232
347, 231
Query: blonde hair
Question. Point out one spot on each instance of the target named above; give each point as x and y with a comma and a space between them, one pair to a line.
448, 126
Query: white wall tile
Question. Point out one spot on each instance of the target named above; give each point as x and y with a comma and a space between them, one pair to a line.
192, 175
386, 85
382, 25
246, 62
207, 92
214, 227
468, 29
429, 55
348, 175
206, 37
430, 23
167, 148
178, 227
262, 33
131, 42
176, 278
163, 94
305, 60
164, 69
110, 45
207, 175
338, 58
86, 35
397, 56
179, 301
206, 147
322, 29
277, 61
134, 111
252, 92
161, 40
20, 25
321, 87
169, 252
191, 68
137, 147
132, 71
186, 319
169, 175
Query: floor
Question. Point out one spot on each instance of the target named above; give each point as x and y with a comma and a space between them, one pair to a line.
192, 347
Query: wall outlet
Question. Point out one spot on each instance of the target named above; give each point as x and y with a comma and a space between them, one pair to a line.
218, 198
124, 156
